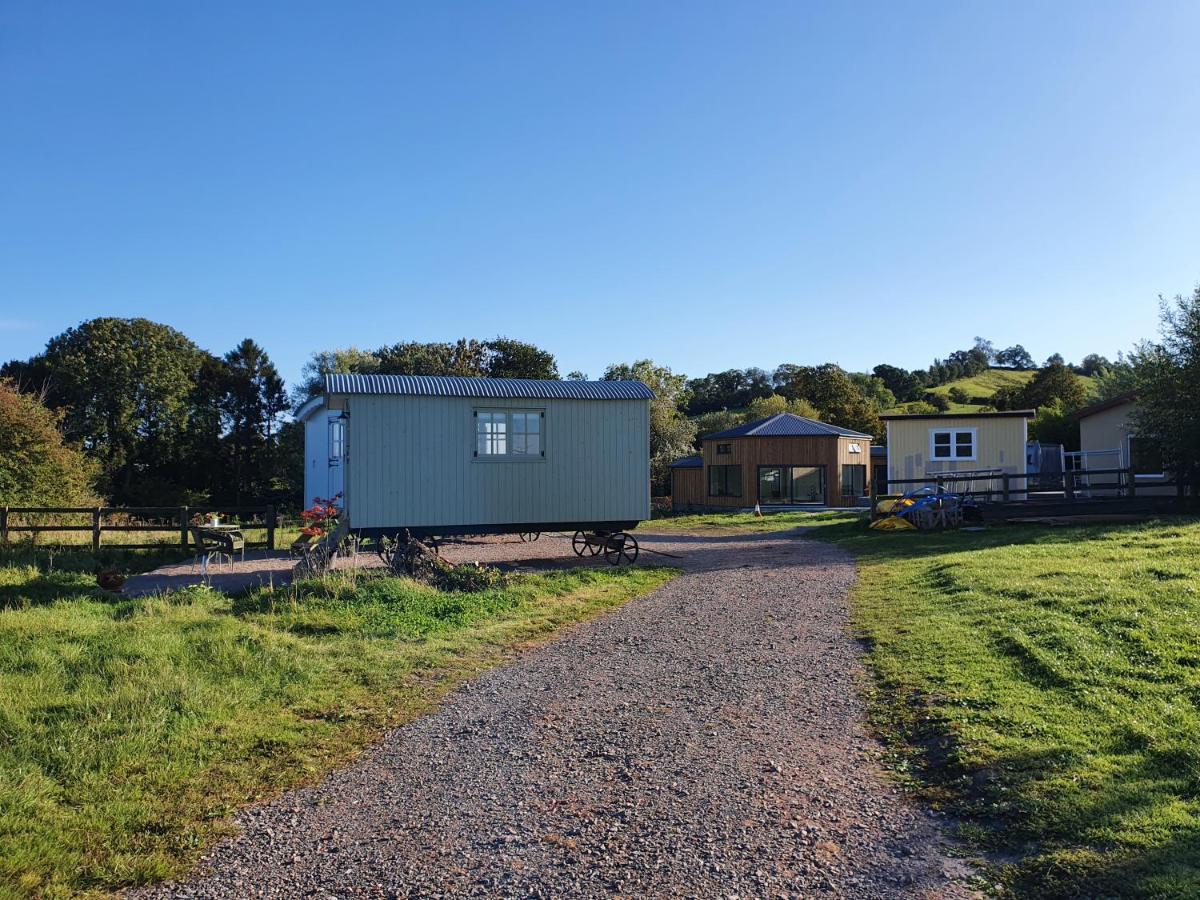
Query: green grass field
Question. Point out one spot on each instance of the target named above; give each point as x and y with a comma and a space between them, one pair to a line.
732, 523
1043, 685
131, 729
987, 383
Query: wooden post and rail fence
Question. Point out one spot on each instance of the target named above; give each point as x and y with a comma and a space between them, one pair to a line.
177, 520
1007, 487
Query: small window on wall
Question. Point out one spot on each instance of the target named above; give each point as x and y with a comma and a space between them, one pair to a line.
952, 444
724, 449
724, 481
509, 434
337, 440
854, 480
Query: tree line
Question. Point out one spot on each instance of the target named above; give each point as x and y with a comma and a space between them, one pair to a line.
136, 412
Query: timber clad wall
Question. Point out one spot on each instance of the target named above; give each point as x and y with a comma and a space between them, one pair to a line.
999, 444
411, 463
751, 452
687, 488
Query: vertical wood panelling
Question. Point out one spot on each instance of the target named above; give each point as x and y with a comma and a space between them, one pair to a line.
413, 464
751, 452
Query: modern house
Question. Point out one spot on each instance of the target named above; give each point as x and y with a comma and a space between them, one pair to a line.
443, 455
966, 451
783, 460
1108, 439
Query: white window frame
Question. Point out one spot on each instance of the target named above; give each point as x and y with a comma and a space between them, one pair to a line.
954, 433
509, 455
337, 440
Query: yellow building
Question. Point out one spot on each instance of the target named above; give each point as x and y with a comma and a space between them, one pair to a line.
964, 451
1108, 439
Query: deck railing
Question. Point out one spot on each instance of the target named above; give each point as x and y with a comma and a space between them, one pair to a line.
99, 520
1008, 486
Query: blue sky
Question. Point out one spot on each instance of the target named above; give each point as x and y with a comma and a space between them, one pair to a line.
709, 184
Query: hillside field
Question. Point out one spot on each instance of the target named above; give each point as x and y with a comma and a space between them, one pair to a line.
987, 383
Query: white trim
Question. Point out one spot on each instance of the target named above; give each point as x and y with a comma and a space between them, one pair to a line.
305, 412
954, 433
508, 455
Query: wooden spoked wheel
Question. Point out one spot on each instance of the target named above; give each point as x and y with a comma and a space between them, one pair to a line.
529, 536
620, 548
586, 544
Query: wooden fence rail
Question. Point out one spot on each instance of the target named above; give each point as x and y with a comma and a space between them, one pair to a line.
174, 519
1120, 483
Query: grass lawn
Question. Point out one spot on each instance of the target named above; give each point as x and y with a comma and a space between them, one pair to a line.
739, 523
987, 383
1044, 685
131, 729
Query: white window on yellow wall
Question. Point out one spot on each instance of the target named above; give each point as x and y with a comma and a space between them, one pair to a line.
951, 444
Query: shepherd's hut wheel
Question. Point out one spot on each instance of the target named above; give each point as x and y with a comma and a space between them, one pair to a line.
529, 536
579, 543
621, 548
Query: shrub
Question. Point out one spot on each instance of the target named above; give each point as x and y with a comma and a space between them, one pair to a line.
36, 467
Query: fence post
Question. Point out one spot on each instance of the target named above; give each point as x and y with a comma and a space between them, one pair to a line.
183, 528
96, 517
1069, 485
4, 525
270, 526
1006, 491
1131, 482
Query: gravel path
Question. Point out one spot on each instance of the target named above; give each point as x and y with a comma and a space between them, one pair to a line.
703, 741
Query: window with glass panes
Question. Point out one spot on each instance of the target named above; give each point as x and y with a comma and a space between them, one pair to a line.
509, 433
854, 480
724, 481
952, 443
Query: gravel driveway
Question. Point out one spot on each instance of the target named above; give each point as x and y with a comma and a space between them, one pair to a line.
703, 741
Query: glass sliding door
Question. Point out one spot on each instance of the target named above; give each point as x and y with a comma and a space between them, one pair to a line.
791, 484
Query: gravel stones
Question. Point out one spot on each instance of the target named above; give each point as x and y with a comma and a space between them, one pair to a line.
703, 741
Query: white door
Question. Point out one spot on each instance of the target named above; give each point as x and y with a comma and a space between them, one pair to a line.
337, 458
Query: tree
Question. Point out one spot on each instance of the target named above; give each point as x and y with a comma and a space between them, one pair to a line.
1055, 424
939, 402
1015, 357
344, 361
1055, 382
1116, 380
874, 391
765, 407
125, 389
1167, 379
1054, 359
672, 435
508, 358
252, 402
958, 395
37, 468
1094, 364
731, 389
831, 391
576, 375
904, 385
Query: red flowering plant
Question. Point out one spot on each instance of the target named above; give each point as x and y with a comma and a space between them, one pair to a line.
321, 518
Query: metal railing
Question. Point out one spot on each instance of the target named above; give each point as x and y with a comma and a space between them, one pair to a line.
1009, 486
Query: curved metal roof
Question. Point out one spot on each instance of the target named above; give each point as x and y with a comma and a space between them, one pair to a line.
488, 388
786, 425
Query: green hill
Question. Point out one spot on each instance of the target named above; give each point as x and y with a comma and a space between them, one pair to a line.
987, 383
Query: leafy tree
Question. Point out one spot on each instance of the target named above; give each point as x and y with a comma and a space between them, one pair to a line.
958, 395
508, 358
252, 402
37, 468
1094, 364
671, 434
917, 408
1055, 424
1167, 378
344, 361
1015, 357
1116, 380
125, 388
765, 407
1055, 382
904, 385
939, 402
577, 375
731, 389
465, 357
1054, 359
874, 391
831, 391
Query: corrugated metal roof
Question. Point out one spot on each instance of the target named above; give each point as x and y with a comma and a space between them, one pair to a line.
489, 388
688, 462
786, 425
1009, 414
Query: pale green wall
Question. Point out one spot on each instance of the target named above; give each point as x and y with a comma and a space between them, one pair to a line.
411, 464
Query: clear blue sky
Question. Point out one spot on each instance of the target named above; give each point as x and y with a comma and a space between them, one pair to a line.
709, 184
